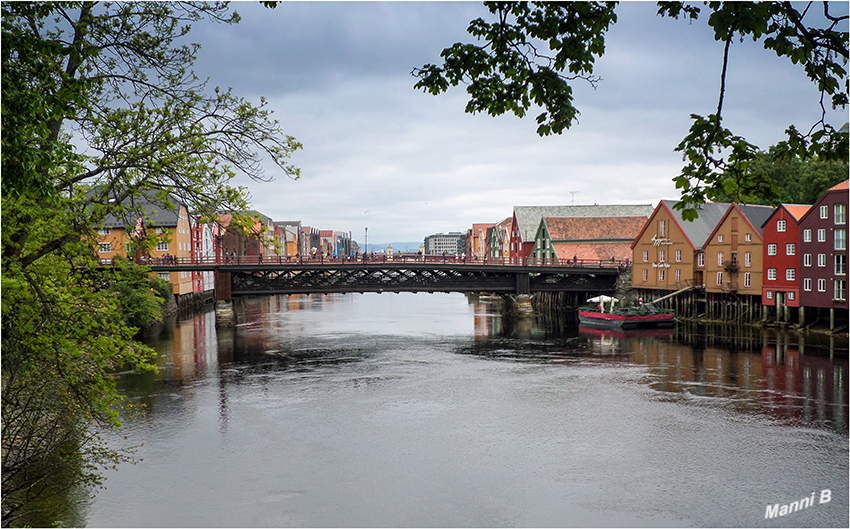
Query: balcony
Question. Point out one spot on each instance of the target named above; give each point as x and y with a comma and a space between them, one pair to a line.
730, 286
731, 266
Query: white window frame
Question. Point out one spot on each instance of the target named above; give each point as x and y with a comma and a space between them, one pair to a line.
821, 260
840, 290
662, 256
719, 278
791, 296
748, 259
769, 294
661, 274
840, 212
701, 259
771, 249
662, 228
807, 259
678, 275
771, 274
840, 239
807, 284
822, 235
824, 212
748, 237
162, 246
719, 258
645, 256
840, 265
790, 248
748, 279
645, 274
104, 247
781, 225
720, 238
821, 285
807, 235
164, 275
104, 231
790, 274
678, 256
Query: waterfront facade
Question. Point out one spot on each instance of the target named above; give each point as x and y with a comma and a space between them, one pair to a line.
781, 258
823, 251
453, 243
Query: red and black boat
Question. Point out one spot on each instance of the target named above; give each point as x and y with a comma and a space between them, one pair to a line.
646, 316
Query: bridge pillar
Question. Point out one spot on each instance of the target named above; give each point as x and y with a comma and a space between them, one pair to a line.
222, 285
523, 283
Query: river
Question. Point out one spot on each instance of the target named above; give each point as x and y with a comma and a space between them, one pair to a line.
422, 410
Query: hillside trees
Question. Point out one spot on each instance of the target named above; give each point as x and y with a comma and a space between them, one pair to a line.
533, 52
100, 106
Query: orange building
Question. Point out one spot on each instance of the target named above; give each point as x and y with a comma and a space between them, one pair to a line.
170, 228
733, 251
668, 253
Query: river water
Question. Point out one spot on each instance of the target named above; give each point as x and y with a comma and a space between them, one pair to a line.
432, 410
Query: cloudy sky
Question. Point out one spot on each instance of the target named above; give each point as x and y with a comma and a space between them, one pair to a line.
406, 164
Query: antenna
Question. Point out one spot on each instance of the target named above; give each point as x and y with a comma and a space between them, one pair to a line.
573, 193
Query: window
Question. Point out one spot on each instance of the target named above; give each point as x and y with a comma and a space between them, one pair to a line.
678, 276
791, 296
719, 278
701, 259
164, 275
771, 249
807, 235
821, 259
824, 212
720, 238
719, 258
821, 235
105, 247
771, 274
748, 259
840, 289
807, 284
807, 259
645, 256
769, 294
840, 265
661, 274
678, 256
662, 255
646, 275
790, 274
840, 239
780, 225
748, 279
162, 246
128, 247
841, 213
790, 249
748, 237
104, 231
821, 285
662, 228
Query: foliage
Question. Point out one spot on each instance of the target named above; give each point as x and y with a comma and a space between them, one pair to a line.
100, 110
535, 49
794, 180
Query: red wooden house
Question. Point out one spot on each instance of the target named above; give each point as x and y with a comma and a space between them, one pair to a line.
781, 257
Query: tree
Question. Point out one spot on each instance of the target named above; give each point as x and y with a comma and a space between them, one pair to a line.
100, 107
534, 50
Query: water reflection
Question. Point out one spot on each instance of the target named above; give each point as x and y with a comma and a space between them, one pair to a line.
353, 401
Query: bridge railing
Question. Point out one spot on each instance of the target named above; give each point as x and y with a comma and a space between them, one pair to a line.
373, 259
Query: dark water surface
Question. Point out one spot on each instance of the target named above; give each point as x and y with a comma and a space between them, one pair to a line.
417, 410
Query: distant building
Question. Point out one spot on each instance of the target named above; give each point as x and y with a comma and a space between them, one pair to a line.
526, 221
561, 239
448, 243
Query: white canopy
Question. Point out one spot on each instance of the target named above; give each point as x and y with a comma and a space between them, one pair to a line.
602, 299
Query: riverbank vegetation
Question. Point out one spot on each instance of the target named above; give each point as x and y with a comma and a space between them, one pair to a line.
100, 106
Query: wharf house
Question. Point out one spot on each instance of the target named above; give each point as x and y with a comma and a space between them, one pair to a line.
823, 257
476, 241
206, 247
526, 221
781, 260
668, 253
499, 239
288, 234
310, 239
733, 263
560, 240
171, 225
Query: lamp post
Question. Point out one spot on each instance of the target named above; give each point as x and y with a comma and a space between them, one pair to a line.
367, 243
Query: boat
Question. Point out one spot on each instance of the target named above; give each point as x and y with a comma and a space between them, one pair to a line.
642, 317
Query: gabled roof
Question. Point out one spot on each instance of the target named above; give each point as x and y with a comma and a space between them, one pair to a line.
843, 185
155, 213
593, 228
756, 216
528, 217
697, 230
796, 211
